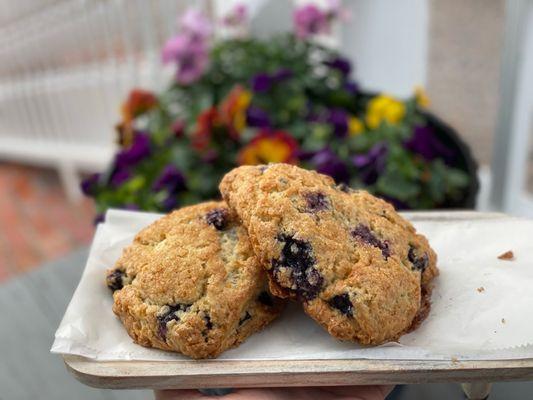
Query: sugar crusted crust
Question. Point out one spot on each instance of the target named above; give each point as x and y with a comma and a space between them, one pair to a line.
191, 283
358, 268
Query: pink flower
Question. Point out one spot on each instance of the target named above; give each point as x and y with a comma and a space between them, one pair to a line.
189, 49
237, 16
310, 20
191, 55
196, 25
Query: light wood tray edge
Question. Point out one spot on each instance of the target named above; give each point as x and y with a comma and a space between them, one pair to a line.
220, 373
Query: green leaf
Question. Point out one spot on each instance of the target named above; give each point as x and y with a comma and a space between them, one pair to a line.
393, 184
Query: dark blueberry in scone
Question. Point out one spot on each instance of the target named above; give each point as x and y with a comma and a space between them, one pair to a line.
316, 201
342, 303
169, 313
218, 218
363, 233
419, 263
208, 323
265, 299
298, 262
115, 279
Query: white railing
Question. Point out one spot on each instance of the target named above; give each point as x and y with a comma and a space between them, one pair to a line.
65, 67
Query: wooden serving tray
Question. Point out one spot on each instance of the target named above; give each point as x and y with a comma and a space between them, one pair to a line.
192, 374
271, 373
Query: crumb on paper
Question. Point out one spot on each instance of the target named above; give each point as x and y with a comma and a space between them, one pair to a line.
481, 289
508, 256
503, 320
455, 360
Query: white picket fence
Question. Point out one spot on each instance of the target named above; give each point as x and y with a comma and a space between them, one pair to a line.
65, 67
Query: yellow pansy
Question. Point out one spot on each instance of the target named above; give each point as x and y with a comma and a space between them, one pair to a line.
268, 147
384, 108
355, 126
421, 97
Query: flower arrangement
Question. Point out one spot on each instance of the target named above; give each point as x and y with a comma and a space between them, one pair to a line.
287, 99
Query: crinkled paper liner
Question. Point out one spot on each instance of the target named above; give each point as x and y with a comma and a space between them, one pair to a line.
481, 305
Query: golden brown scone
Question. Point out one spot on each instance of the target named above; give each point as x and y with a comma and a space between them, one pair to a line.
357, 266
191, 283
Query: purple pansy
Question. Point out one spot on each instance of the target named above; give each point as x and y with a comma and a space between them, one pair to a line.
119, 177
88, 185
340, 64
170, 179
139, 150
282, 74
310, 20
256, 117
372, 164
263, 82
425, 142
170, 202
351, 87
327, 162
339, 120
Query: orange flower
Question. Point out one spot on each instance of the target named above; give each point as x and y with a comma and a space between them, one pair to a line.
269, 147
233, 109
138, 102
207, 120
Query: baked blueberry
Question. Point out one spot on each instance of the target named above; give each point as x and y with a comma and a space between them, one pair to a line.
297, 258
419, 263
316, 201
167, 314
363, 233
208, 323
115, 279
218, 218
342, 303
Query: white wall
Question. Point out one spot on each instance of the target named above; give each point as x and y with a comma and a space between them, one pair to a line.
387, 41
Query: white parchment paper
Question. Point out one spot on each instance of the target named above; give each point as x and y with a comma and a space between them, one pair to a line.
494, 322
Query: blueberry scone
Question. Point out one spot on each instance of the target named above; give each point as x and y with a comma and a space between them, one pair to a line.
359, 269
191, 283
